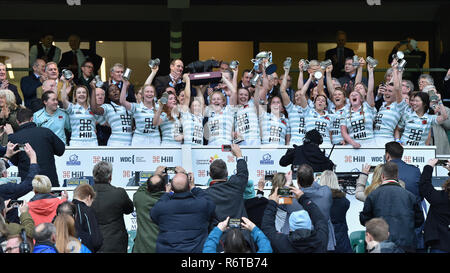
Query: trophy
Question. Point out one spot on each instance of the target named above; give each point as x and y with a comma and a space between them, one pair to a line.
325, 64
164, 98
398, 56
287, 63
372, 62
401, 65
234, 64
305, 64
318, 75
200, 72
126, 74
153, 63
265, 58
98, 81
67, 74
355, 62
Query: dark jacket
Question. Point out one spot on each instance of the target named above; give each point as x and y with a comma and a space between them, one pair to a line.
300, 240
386, 247
255, 208
183, 220
87, 227
110, 204
46, 145
14, 191
228, 195
67, 57
147, 231
409, 174
162, 82
307, 154
28, 85
401, 210
338, 214
437, 224
338, 65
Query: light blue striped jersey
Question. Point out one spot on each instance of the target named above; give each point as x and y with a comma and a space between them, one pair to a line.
416, 128
387, 118
144, 120
82, 122
359, 123
336, 136
220, 125
297, 123
274, 129
119, 119
170, 129
246, 122
192, 128
321, 123
56, 122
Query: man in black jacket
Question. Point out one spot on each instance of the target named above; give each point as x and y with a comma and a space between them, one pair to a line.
308, 228
44, 142
174, 79
308, 153
399, 207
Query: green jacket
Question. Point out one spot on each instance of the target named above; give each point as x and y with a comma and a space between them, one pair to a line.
27, 224
147, 231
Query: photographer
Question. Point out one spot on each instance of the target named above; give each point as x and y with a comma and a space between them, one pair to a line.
308, 228
26, 222
234, 241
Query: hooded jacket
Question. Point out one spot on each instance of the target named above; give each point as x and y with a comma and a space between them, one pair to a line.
45, 247
300, 240
307, 154
87, 227
42, 207
338, 212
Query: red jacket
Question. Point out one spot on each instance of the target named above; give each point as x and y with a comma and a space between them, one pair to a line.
42, 208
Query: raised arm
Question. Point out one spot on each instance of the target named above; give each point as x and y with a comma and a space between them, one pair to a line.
284, 95
233, 97
303, 100
443, 116
157, 117
95, 108
330, 85
370, 96
123, 95
64, 91
359, 71
152, 75
397, 79
187, 90
300, 75
234, 81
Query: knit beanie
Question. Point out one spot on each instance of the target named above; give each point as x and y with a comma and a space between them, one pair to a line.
300, 220
249, 192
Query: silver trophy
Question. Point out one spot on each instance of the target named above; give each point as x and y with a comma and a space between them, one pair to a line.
98, 81
164, 98
67, 74
355, 62
325, 64
153, 63
372, 62
305, 64
256, 78
398, 56
265, 58
401, 65
318, 75
287, 63
126, 74
234, 64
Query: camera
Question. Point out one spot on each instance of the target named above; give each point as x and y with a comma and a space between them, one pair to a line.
285, 196
15, 203
169, 170
19, 147
284, 192
234, 223
442, 162
226, 148
372, 169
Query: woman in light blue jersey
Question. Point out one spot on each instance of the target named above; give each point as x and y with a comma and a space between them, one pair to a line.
82, 119
117, 116
275, 129
167, 117
246, 120
192, 110
145, 133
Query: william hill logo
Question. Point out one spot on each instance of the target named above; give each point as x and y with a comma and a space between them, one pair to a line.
266, 160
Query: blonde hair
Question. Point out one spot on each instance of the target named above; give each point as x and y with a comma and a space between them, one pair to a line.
9, 97
329, 178
279, 181
376, 179
41, 184
74, 98
66, 242
222, 96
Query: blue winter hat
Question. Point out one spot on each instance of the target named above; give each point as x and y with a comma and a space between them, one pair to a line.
300, 220
249, 192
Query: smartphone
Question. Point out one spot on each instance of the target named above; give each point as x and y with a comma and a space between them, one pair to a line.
15, 203
442, 162
57, 193
268, 177
433, 96
226, 148
284, 192
19, 147
234, 223
169, 170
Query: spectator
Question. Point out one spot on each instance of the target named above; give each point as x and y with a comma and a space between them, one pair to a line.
86, 223
182, 217
308, 153
144, 199
320, 195
103, 131
73, 59
26, 221
8, 113
86, 75
338, 54
4, 84
439, 132
3, 231
377, 234
234, 241
115, 78
43, 204
338, 211
308, 228
51, 75
226, 193
110, 204
44, 142
45, 50
362, 191
174, 79
29, 84
52, 117
403, 214
13, 244
352, 76
255, 204
66, 242
436, 233
45, 237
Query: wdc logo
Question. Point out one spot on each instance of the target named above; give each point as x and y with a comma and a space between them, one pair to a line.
73, 161
266, 160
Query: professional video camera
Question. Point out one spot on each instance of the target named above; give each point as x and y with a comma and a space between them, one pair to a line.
347, 181
200, 72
